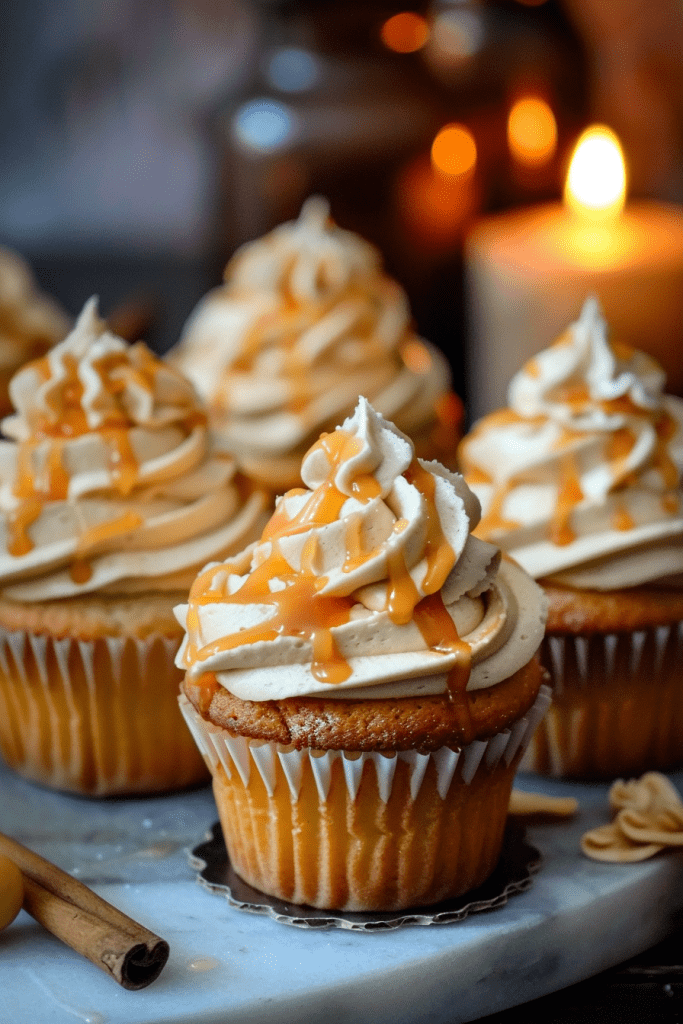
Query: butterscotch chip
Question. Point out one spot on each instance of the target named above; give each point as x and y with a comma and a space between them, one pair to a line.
422, 723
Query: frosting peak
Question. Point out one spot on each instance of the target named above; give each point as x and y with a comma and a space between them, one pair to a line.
580, 379
580, 478
92, 380
109, 479
311, 258
306, 321
369, 577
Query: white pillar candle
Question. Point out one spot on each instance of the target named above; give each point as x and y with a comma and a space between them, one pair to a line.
529, 271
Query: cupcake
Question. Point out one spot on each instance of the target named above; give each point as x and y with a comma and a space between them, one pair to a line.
579, 481
111, 499
306, 321
30, 322
363, 683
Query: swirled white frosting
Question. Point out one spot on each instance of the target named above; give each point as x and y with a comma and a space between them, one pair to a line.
579, 479
109, 481
29, 321
305, 322
370, 572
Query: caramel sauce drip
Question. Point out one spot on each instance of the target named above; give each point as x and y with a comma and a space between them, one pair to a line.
68, 419
665, 427
34, 489
566, 437
576, 396
620, 445
477, 475
123, 465
402, 594
622, 519
97, 535
568, 497
301, 610
438, 552
283, 328
440, 634
494, 520
18, 522
355, 556
205, 689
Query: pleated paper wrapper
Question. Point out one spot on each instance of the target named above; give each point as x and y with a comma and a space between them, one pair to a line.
363, 831
617, 704
96, 717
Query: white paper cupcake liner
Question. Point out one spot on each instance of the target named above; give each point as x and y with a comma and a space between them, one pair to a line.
96, 717
237, 753
618, 704
514, 874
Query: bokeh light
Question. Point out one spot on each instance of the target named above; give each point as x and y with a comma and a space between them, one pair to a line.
292, 69
264, 124
405, 32
532, 132
457, 34
454, 151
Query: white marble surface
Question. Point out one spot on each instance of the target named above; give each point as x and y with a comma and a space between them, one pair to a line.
578, 918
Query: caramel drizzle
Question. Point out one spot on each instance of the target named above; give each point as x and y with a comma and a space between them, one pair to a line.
283, 328
302, 611
665, 427
622, 519
494, 521
618, 446
569, 495
35, 487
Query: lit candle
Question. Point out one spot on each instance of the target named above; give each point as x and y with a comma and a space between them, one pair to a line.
529, 272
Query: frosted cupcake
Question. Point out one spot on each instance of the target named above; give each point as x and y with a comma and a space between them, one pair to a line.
111, 497
30, 322
306, 321
364, 682
579, 481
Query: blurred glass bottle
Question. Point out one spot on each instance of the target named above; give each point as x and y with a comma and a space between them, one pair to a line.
347, 100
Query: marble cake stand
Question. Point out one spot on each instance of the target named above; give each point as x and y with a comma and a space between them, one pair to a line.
577, 919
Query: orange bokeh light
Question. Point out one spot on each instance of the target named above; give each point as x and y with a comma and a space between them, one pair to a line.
454, 151
405, 32
435, 209
532, 132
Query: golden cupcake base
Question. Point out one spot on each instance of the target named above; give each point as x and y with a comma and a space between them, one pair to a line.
363, 831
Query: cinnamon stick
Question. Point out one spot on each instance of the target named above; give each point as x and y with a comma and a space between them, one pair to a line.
124, 949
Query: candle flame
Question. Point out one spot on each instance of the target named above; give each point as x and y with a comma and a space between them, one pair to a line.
596, 182
532, 131
454, 151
